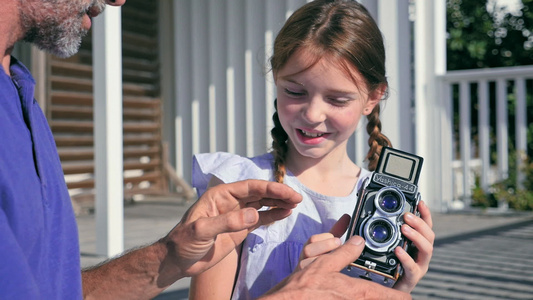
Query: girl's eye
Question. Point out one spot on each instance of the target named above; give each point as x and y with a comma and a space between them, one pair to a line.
339, 101
293, 93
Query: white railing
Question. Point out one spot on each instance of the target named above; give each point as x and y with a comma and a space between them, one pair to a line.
484, 95
222, 100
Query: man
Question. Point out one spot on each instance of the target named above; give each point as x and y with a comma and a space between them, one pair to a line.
39, 252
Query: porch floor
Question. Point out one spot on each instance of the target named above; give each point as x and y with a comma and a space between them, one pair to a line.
476, 256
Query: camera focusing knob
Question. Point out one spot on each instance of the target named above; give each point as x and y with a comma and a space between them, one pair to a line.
392, 262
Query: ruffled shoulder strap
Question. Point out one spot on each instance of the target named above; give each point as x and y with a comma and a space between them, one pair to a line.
362, 176
228, 168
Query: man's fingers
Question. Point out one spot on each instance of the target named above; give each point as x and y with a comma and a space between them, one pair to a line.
270, 202
209, 228
269, 193
250, 193
340, 257
271, 215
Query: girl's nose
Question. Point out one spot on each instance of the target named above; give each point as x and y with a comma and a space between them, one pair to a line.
314, 111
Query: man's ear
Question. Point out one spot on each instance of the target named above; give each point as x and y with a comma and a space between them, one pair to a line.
373, 99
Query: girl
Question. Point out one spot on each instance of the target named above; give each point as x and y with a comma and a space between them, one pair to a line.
329, 70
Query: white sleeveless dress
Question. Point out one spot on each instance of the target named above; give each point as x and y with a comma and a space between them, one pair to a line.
270, 253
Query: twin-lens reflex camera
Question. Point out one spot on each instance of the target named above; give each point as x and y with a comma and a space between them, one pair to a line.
383, 199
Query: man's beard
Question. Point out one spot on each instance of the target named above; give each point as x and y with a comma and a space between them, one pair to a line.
62, 40
59, 33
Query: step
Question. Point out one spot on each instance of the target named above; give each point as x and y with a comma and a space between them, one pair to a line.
72, 154
77, 140
88, 167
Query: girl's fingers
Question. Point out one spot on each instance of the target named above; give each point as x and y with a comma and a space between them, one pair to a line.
322, 243
420, 226
340, 226
418, 231
425, 213
423, 246
320, 247
411, 274
304, 263
319, 237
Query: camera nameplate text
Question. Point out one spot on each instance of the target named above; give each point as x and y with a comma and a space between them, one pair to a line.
385, 180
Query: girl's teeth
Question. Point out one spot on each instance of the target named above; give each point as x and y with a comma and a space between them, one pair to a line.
309, 134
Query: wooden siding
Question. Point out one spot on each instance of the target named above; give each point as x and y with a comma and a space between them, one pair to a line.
70, 110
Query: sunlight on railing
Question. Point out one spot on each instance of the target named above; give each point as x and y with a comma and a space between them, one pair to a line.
488, 115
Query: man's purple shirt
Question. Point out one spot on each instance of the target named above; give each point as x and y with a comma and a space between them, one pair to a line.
39, 251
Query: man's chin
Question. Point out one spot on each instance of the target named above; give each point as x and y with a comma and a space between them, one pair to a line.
61, 50
59, 43
64, 53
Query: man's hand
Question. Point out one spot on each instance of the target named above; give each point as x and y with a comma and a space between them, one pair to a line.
321, 279
222, 218
210, 229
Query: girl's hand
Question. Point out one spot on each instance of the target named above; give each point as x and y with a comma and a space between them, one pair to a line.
322, 243
418, 230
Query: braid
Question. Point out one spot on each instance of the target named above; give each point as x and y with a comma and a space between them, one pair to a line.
376, 140
279, 146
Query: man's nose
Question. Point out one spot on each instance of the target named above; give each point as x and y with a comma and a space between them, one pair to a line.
115, 2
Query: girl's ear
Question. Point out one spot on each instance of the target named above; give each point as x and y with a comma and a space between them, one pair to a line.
373, 99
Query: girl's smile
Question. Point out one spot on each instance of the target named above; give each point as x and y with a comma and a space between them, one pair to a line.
319, 104
311, 137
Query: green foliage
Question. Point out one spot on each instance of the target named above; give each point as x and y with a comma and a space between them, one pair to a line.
482, 199
518, 196
484, 37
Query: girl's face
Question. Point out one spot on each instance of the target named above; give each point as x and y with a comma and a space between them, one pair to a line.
320, 107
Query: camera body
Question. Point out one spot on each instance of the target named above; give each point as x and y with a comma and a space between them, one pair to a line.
383, 199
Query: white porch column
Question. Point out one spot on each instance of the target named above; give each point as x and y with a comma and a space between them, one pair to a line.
396, 115
430, 107
107, 78
183, 85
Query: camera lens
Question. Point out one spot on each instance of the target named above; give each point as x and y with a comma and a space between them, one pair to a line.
380, 231
381, 234
389, 202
